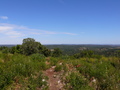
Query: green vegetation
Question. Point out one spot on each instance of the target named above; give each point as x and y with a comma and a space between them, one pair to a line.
58, 68
76, 81
22, 68
57, 52
19, 71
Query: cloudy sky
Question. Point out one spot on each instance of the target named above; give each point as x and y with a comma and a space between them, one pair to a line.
60, 21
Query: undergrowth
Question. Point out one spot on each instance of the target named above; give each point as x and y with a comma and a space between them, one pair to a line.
25, 72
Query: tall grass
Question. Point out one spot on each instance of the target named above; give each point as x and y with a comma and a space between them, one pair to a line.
79, 74
16, 68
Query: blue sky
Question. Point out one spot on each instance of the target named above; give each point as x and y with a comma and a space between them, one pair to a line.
60, 21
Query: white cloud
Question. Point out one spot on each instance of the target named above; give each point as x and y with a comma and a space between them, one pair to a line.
4, 28
3, 17
27, 30
12, 30
9, 30
14, 34
69, 33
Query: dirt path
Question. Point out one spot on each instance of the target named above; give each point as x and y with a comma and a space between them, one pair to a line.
54, 79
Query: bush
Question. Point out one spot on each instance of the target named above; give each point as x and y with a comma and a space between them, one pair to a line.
58, 68
102, 70
37, 82
53, 61
6, 78
20, 69
76, 81
37, 57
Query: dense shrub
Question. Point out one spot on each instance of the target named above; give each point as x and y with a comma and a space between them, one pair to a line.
76, 81
58, 68
102, 70
78, 73
37, 57
16, 68
53, 61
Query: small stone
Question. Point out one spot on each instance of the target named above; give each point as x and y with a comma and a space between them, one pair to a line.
54, 76
58, 81
53, 66
94, 80
51, 70
60, 63
43, 80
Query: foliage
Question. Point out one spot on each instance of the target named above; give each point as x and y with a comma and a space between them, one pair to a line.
37, 82
76, 81
85, 53
16, 49
30, 46
57, 52
46, 52
23, 66
58, 68
22, 70
37, 57
53, 61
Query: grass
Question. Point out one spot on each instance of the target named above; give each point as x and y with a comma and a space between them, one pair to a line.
25, 72
16, 68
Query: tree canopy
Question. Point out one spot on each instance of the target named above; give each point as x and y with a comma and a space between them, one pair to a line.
30, 46
57, 52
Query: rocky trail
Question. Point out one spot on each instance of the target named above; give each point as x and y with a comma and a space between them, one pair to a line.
54, 80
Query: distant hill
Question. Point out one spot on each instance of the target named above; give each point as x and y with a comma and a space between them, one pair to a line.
7, 45
72, 49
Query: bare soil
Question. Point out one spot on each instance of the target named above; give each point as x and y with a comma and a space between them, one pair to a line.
54, 80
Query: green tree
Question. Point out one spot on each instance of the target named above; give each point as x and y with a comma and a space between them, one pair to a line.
46, 52
30, 46
85, 53
16, 49
57, 52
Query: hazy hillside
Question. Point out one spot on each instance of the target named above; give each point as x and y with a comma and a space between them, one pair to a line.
72, 49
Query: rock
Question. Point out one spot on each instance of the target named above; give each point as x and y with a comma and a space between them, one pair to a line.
94, 80
54, 76
53, 66
51, 70
43, 80
58, 81
60, 63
